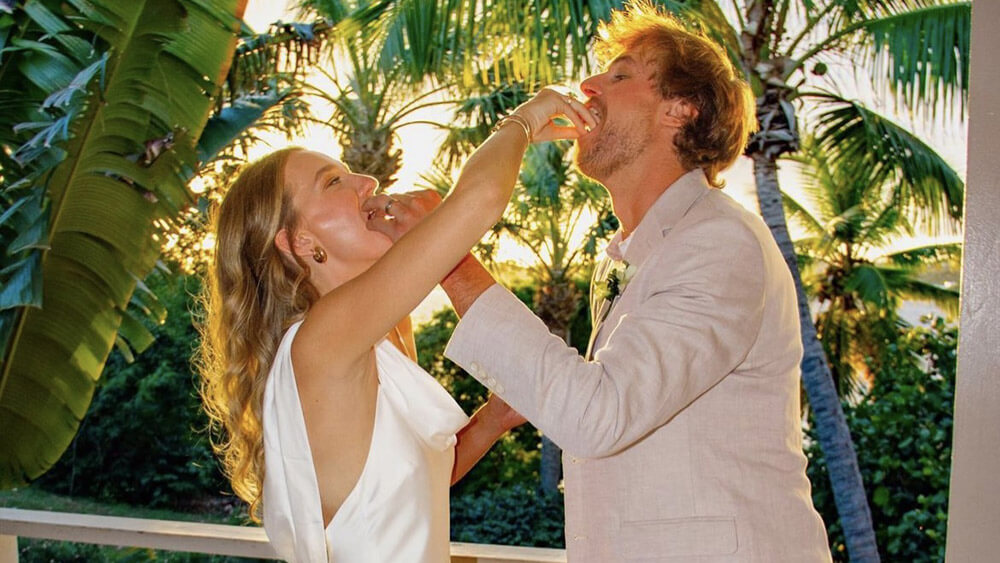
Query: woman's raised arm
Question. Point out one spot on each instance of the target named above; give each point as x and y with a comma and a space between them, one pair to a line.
358, 313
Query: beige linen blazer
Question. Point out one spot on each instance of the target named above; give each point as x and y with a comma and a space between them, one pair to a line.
681, 437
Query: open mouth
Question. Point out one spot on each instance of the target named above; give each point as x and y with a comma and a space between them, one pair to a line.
598, 114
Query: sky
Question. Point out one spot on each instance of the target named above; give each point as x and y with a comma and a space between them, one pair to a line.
420, 142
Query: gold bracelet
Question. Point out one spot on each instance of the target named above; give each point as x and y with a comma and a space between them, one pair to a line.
515, 119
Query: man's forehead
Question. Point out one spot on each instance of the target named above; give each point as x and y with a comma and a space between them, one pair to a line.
634, 58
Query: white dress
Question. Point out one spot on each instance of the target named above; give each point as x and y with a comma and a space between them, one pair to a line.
398, 511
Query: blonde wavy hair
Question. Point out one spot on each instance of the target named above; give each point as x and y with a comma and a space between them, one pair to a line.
252, 293
688, 65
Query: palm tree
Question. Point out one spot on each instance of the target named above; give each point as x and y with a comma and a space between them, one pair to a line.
109, 107
852, 265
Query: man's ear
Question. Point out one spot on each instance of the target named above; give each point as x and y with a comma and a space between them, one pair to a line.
678, 113
300, 245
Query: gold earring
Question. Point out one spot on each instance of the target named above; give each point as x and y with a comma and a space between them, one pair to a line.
319, 255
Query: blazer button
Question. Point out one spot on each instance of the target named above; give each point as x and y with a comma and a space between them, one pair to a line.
476, 369
499, 388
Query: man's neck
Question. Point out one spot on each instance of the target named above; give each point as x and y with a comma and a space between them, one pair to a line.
635, 189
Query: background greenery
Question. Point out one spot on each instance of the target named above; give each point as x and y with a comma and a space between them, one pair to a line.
902, 428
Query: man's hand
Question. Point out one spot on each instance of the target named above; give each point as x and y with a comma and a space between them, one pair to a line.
395, 214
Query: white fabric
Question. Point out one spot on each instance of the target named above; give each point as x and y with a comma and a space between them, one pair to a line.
398, 510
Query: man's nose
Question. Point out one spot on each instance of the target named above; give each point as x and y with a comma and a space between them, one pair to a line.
591, 86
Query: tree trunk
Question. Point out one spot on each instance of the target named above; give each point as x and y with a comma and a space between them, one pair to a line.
831, 426
555, 304
551, 470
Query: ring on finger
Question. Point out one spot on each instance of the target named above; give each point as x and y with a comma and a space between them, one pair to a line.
388, 206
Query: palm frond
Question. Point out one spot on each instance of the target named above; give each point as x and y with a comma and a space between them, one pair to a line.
858, 138
944, 297
925, 255
921, 52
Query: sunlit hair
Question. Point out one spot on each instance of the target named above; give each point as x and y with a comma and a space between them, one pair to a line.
688, 65
252, 294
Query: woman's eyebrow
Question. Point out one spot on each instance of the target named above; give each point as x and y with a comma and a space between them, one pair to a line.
322, 171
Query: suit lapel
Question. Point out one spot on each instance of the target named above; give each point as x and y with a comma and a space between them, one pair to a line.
598, 306
670, 208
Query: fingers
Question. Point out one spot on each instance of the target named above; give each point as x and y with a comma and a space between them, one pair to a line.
394, 215
379, 205
579, 114
550, 104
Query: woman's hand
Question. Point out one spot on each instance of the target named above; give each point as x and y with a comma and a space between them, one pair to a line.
549, 104
395, 214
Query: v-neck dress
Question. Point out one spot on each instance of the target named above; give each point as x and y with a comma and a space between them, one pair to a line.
398, 511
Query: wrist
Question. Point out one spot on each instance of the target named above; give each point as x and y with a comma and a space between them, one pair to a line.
465, 283
520, 121
491, 417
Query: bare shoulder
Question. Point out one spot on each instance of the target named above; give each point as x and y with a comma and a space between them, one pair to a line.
319, 352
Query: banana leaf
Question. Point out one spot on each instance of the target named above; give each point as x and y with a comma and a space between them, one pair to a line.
117, 168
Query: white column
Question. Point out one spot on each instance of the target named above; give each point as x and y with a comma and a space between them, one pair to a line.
974, 505
8, 549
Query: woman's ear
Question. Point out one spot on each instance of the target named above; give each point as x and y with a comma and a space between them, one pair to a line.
678, 113
299, 245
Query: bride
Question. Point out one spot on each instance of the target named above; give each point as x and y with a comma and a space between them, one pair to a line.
332, 432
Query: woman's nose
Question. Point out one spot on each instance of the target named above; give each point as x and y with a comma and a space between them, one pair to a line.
369, 185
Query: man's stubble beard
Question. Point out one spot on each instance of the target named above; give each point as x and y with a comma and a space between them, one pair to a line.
615, 148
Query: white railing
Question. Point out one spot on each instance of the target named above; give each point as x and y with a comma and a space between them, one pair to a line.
218, 539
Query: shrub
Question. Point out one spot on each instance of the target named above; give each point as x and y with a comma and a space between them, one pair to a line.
515, 515
141, 441
902, 429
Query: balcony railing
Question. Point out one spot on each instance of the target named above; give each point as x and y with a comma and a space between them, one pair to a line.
218, 539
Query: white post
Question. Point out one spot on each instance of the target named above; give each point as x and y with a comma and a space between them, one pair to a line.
8, 549
974, 513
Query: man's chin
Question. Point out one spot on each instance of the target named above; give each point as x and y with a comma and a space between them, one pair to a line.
584, 164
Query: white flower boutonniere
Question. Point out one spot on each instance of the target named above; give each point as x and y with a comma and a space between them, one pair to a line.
617, 278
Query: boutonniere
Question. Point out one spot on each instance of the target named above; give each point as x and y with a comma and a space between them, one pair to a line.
617, 278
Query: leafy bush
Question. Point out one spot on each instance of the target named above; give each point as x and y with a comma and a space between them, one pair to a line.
515, 515
902, 429
141, 441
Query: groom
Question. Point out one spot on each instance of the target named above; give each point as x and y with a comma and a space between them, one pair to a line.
681, 426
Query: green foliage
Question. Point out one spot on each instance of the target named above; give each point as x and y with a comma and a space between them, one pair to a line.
142, 441
111, 98
902, 429
517, 515
850, 261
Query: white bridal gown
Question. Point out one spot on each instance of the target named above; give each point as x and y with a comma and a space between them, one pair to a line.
398, 510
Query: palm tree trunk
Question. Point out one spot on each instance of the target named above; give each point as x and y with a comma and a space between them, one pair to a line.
831, 426
551, 470
551, 466
555, 304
